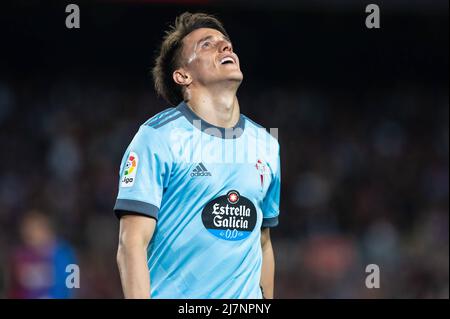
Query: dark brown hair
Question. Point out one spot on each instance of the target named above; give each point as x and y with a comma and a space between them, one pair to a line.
169, 56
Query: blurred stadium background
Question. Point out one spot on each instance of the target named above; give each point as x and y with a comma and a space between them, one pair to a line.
362, 116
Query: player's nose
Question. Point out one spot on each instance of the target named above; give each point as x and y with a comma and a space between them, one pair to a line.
225, 46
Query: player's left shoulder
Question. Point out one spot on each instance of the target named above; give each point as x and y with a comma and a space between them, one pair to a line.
268, 134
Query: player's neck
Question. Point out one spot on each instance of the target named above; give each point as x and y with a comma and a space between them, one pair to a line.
221, 110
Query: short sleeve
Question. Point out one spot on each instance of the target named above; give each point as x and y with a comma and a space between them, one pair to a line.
144, 173
271, 203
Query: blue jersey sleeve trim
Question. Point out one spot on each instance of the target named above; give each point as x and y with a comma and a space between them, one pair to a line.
164, 121
160, 116
270, 222
129, 206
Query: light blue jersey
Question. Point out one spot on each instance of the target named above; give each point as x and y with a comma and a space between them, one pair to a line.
211, 191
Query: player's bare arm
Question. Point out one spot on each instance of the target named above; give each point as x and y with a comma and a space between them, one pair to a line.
268, 264
135, 233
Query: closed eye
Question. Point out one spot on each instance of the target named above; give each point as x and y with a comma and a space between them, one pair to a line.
210, 41
206, 44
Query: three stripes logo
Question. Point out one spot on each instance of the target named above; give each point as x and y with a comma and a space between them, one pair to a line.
200, 170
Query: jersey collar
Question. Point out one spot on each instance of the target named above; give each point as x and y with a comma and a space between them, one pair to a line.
210, 129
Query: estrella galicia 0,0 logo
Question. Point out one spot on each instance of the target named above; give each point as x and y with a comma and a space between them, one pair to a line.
230, 217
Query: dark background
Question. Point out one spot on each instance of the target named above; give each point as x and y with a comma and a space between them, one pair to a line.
362, 116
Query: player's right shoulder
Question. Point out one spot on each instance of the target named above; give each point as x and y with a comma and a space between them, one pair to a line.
162, 118
151, 132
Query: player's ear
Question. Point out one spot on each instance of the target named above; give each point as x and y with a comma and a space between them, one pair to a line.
181, 77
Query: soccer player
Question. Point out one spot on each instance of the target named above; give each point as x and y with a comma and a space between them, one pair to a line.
199, 183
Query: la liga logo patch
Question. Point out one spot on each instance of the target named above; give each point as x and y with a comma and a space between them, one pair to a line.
129, 170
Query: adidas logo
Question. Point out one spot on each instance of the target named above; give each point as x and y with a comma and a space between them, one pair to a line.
200, 170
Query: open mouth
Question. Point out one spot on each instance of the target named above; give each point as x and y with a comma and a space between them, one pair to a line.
227, 60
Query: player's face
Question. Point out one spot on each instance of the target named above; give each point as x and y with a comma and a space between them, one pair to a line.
209, 57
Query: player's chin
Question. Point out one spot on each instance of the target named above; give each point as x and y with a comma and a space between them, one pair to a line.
235, 76
233, 80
